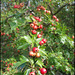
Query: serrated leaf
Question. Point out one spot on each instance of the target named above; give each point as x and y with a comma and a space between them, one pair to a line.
23, 46
43, 52
39, 73
40, 63
63, 39
27, 72
28, 39
19, 73
12, 25
23, 58
28, 19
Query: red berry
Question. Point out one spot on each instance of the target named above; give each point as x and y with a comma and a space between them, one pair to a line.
46, 11
18, 6
31, 53
34, 32
52, 65
21, 4
44, 40
72, 37
41, 26
42, 8
38, 9
52, 24
39, 20
39, 35
54, 17
3, 33
15, 6
35, 22
7, 34
57, 20
18, 51
35, 27
32, 73
35, 49
41, 42
54, 28
17, 29
32, 25
43, 71
37, 55
7, 69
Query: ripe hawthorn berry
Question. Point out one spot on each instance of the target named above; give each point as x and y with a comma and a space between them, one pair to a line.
44, 40
39, 35
41, 42
72, 37
35, 49
41, 26
18, 51
34, 32
52, 24
57, 20
15, 6
42, 8
32, 73
38, 9
18, 6
17, 28
39, 20
54, 17
32, 25
38, 55
54, 28
21, 4
31, 53
52, 65
35, 27
35, 22
43, 71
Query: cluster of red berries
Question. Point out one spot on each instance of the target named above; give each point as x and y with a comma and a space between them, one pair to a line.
34, 52
55, 18
37, 18
19, 6
2, 34
35, 27
8, 65
42, 8
43, 41
17, 30
42, 70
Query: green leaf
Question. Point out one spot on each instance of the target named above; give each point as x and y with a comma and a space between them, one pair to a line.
43, 52
19, 73
23, 46
28, 19
23, 58
12, 25
63, 39
28, 39
27, 72
52, 72
39, 73
40, 63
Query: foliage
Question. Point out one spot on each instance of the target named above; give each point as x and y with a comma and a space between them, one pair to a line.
56, 55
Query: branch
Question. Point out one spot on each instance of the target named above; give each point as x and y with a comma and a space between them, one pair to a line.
72, 4
50, 9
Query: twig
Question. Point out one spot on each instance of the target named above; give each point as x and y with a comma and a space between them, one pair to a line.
67, 4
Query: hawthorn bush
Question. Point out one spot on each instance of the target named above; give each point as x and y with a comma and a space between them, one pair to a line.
34, 41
